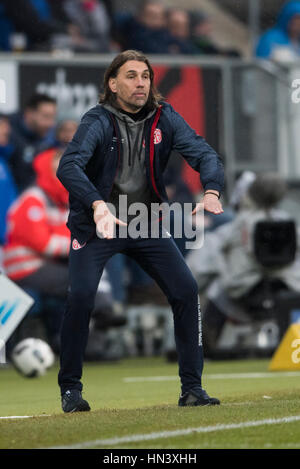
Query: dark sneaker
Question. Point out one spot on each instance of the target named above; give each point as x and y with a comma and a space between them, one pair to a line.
197, 398
72, 401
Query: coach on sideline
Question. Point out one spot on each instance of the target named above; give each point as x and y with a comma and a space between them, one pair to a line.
122, 147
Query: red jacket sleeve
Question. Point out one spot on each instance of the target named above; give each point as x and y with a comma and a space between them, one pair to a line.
32, 229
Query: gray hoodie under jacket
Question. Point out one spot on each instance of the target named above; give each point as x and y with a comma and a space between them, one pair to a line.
131, 179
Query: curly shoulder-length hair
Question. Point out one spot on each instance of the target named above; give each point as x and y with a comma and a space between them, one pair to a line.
108, 97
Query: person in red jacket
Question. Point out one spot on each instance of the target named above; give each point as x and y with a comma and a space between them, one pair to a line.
37, 245
38, 241
36, 232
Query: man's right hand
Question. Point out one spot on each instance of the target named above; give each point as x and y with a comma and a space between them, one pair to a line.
105, 221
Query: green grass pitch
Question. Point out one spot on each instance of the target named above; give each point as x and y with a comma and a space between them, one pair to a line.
126, 410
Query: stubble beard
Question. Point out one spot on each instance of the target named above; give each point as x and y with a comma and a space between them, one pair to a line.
130, 105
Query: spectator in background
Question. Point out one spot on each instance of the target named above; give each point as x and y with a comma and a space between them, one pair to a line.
147, 31
8, 188
38, 239
32, 131
65, 131
93, 18
282, 42
202, 36
35, 237
37, 20
178, 23
38, 242
201, 31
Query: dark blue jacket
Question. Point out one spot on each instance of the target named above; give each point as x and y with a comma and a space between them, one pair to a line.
89, 165
27, 145
8, 189
135, 35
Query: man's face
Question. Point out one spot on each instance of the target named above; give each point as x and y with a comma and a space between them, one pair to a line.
41, 119
131, 85
66, 131
203, 29
153, 16
178, 24
4, 132
294, 26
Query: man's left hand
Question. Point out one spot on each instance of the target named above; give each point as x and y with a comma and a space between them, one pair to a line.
210, 203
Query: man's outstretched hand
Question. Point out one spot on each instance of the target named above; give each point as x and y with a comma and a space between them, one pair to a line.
210, 203
105, 221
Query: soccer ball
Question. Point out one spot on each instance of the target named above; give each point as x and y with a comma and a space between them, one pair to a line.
32, 357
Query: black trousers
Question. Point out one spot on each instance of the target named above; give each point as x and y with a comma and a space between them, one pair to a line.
162, 260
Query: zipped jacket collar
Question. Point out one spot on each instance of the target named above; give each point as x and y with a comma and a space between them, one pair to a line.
149, 128
128, 121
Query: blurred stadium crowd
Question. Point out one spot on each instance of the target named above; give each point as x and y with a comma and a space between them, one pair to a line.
34, 240
97, 26
94, 26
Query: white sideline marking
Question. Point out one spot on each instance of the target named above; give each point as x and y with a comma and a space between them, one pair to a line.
175, 433
23, 416
271, 374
